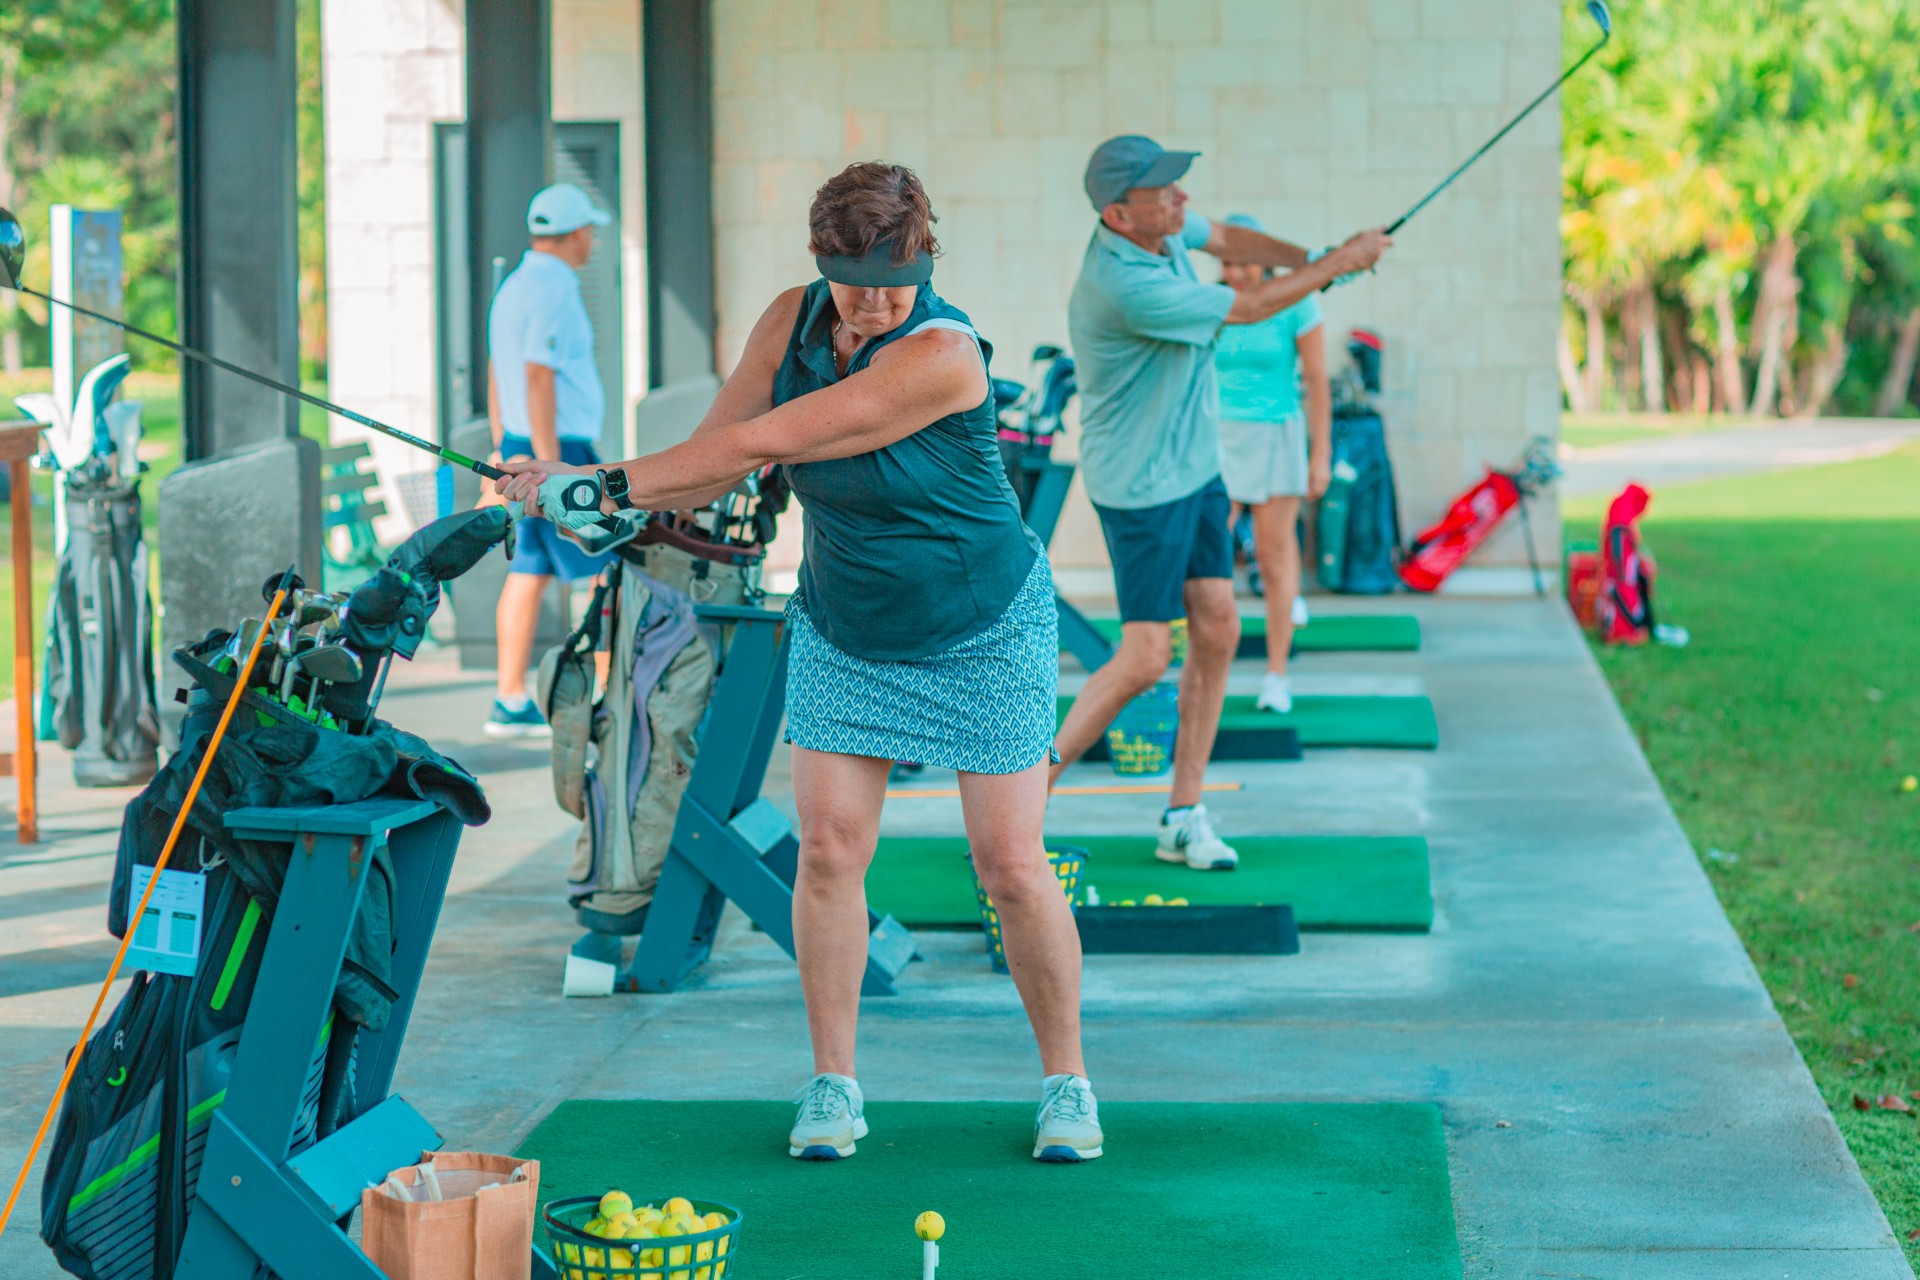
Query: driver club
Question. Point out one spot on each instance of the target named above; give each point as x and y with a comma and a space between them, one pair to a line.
1597, 10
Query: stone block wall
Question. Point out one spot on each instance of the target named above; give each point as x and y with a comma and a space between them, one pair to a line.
1319, 116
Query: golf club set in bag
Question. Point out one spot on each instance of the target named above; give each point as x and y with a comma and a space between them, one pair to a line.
99, 648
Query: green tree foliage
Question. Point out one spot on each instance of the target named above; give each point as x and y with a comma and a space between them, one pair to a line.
1739, 186
87, 119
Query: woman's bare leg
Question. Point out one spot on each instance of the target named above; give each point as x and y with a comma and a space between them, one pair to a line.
1276, 544
1003, 815
839, 799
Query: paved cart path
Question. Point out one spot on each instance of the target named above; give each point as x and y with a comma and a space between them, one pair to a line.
1702, 455
1620, 1098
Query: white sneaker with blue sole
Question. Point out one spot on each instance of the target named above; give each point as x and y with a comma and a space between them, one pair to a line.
1067, 1128
830, 1119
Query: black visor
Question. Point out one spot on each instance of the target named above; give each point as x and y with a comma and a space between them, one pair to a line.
876, 269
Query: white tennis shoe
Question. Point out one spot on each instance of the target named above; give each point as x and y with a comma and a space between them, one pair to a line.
1276, 693
1187, 835
1067, 1128
830, 1119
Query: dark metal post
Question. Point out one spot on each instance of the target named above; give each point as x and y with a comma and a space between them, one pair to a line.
678, 84
509, 145
248, 502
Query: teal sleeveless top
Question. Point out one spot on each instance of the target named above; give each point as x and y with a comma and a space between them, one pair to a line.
909, 549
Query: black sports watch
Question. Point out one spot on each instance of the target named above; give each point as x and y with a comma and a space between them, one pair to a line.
614, 484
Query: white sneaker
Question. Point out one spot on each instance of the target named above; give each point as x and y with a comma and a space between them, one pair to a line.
1276, 693
1067, 1128
1300, 615
830, 1119
1186, 835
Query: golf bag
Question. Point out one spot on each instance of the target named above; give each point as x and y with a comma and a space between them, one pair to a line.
1357, 520
124, 1163
1439, 549
622, 761
100, 637
1623, 606
1029, 417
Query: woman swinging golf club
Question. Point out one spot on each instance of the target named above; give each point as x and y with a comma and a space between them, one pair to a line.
923, 629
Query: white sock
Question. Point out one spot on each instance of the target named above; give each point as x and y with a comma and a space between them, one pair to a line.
1175, 814
514, 701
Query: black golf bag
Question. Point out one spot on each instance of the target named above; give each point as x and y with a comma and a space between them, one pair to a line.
1029, 417
1357, 524
100, 636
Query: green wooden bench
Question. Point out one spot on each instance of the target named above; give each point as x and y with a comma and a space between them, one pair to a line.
345, 504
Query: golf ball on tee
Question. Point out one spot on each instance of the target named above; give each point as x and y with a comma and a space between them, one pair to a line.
929, 1225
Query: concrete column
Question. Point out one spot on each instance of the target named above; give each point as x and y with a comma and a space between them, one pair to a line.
509, 145
247, 504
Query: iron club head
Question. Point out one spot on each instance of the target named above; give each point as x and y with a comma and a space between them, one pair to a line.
13, 249
331, 664
1602, 17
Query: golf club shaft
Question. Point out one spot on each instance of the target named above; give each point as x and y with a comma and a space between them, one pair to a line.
459, 460
1397, 223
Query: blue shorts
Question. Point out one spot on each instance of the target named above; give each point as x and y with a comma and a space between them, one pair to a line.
1155, 550
543, 550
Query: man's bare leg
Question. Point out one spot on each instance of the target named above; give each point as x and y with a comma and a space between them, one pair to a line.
1213, 635
515, 620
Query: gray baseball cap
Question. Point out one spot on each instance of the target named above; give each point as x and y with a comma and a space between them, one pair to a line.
1128, 161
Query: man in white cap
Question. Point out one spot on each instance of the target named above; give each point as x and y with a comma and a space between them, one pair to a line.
1143, 331
544, 400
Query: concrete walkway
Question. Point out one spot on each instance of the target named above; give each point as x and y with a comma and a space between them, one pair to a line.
1621, 1100
1702, 455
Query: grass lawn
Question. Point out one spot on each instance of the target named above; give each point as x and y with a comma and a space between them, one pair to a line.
1596, 430
1782, 735
160, 448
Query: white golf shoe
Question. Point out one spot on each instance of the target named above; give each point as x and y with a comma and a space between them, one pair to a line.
1276, 693
1067, 1128
830, 1119
1187, 835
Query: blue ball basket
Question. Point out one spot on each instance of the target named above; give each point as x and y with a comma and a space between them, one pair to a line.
1141, 738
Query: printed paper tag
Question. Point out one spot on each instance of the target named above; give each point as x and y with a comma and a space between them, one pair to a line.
167, 938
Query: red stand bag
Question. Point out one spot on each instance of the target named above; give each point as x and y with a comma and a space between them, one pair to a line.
1440, 549
1623, 609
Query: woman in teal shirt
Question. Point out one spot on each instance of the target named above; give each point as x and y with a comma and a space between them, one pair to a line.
1276, 427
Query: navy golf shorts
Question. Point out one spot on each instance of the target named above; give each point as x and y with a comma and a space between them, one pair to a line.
1155, 550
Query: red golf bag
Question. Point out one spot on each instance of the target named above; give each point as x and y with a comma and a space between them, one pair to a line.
1623, 608
1437, 551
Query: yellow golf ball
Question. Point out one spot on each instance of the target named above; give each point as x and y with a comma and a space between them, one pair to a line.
929, 1226
1910, 783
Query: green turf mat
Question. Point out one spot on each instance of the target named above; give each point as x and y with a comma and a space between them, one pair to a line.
1328, 633
1213, 1191
1343, 883
1336, 720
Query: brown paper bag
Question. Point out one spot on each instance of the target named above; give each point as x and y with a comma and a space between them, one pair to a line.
479, 1227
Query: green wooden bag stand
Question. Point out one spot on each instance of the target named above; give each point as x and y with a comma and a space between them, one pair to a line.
728, 841
257, 1202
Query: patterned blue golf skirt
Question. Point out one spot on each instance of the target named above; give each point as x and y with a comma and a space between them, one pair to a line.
984, 706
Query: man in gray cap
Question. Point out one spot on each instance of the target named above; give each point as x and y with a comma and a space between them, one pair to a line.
1143, 329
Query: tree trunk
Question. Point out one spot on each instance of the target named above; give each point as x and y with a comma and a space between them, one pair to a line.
1570, 374
1702, 397
1733, 388
1906, 348
1593, 377
10, 355
1653, 382
1774, 321
1824, 373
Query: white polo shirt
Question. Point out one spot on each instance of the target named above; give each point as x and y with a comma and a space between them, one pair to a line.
539, 317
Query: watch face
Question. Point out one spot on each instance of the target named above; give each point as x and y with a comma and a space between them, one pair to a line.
616, 482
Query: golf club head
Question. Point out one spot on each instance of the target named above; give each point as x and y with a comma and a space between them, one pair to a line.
13, 249
1602, 17
331, 663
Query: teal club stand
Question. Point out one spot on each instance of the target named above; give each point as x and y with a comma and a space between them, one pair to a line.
729, 842
258, 1202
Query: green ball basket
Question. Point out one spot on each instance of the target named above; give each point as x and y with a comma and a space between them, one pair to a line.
1142, 736
1069, 864
710, 1255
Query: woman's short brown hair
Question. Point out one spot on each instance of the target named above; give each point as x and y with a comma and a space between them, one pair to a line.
868, 203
